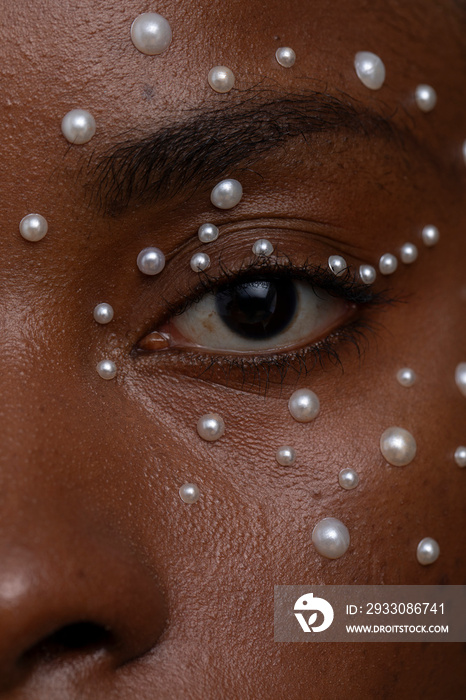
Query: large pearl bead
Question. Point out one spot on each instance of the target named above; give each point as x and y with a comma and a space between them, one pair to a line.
430, 236
406, 376
285, 56
426, 98
103, 313
304, 405
408, 253
285, 456
106, 369
189, 493
367, 274
398, 446
348, 479
337, 264
33, 227
460, 377
369, 69
388, 264
331, 538
78, 126
207, 233
262, 247
200, 262
226, 194
460, 456
151, 261
151, 34
221, 79
211, 427
428, 551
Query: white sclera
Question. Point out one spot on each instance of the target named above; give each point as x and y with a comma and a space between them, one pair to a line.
428, 551
369, 69
189, 493
285, 56
398, 446
151, 33
78, 126
221, 79
331, 538
304, 405
33, 227
226, 194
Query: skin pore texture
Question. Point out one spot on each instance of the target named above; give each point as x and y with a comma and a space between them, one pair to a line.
110, 585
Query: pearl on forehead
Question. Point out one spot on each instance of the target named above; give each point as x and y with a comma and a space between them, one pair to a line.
408, 253
33, 227
348, 479
106, 369
398, 446
428, 551
207, 233
151, 261
304, 405
406, 376
221, 79
285, 56
285, 456
337, 264
460, 377
226, 194
430, 235
262, 247
460, 456
151, 34
426, 98
367, 274
200, 262
78, 126
211, 427
369, 69
103, 313
331, 538
388, 264
189, 493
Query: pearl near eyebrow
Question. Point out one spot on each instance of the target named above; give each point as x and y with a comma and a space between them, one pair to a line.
221, 79
426, 98
388, 264
33, 227
262, 247
369, 69
151, 33
285, 56
408, 253
78, 126
226, 194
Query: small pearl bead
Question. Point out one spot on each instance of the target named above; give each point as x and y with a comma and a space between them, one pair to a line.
430, 235
286, 456
406, 376
408, 253
427, 551
388, 264
460, 377
337, 264
151, 261
464, 151
262, 247
348, 479
151, 34
221, 79
460, 456
211, 427
207, 233
33, 227
398, 446
369, 69
106, 369
426, 98
103, 313
331, 538
285, 56
189, 493
367, 274
78, 126
304, 405
200, 262
227, 194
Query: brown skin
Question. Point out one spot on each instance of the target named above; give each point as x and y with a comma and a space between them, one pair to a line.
91, 524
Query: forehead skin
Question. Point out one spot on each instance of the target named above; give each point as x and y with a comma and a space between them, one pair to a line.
91, 524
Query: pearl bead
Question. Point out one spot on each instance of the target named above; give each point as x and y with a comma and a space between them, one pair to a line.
262, 247
398, 446
430, 235
460, 377
369, 69
406, 376
304, 405
367, 274
464, 151
408, 253
200, 262
331, 538
207, 233
460, 456
106, 369
388, 264
286, 456
78, 126
227, 194
189, 493
427, 551
211, 427
426, 98
337, 264
33, 227
285, 56
151, 34
103, 313
151, 261
348, 479
221, 79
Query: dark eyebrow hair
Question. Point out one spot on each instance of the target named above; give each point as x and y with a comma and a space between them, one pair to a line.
189, 154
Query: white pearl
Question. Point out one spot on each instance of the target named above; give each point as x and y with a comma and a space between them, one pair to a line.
388, 264
262, 247
348, 479
337, 264
460, 456
369, 69
106, 369
33, 227
151, 34
460, 377
211, 427
285, 56
398, 446
151, 261
286, 456
426, 98
200, 262
430, 235
428, 551
207, 233
226, 194
221, 79
331, 538
78, 126
103, 313
367, 274
189, 493
304, 405
464, 151
408, 253
406, 376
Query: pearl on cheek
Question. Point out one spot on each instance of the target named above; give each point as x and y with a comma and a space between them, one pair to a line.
285, 456
285, 56
408, 253
406, 376
221, 79
369, 69
78, 126
337, 264
460, 377
151, 34
367, 274
207, 233
151, 261
106, 369
226, 194
304, 405
103, 313
33, 227
348, 479
331, 538
388, 264
430, 235
211, 427
426, 98
460, 456
262, 247
428, 551
200, 262
398, 446
189, 493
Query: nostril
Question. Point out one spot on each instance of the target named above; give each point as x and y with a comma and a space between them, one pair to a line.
82, 637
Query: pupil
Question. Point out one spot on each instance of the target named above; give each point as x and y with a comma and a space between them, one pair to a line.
258, 309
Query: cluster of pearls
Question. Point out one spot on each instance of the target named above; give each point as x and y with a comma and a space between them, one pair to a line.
189, 493
33, 227
151, 261
408, 253
285, 56
78, 126
337, 264
460, 456
426, 98
207, 233
430, 235
226, 194
151, 34
348, 479
103, 313
304, 405
211, 427
106, 369
398, 446
367, 274
286, 456
221, 79
460, 377
369, 69
388, 264
428, 551
406, 376
331, 538
262, 247
200, 262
